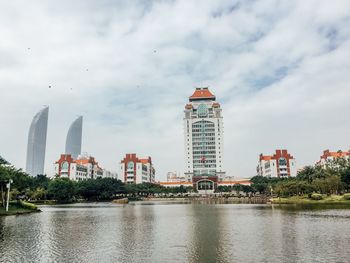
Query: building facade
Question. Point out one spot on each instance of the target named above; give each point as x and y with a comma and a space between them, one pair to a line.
83, 168
328, 157
109, 174
173, 177
93, 169
281, 164
203, 124
73, 140
219, 183
66, 166
134, 170
36, 146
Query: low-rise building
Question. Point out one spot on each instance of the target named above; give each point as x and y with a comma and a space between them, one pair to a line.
327, 157
109, 174
83, 168
220, 183
134, 170
173, 177
93, 169
281, 164
66, 166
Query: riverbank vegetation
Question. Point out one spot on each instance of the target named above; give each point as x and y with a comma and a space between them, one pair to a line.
314, 183
313, 199
18, 207
63, 190
322, 184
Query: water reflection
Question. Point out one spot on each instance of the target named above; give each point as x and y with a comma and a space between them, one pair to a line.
176, 232
205, 235
137, 234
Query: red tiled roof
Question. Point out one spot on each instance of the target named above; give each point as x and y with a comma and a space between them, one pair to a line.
338, 154
265, 157
202, 93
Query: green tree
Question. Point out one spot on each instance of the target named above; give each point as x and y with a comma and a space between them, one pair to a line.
62, 189
306, 174
100, 188
40, 181
38, 194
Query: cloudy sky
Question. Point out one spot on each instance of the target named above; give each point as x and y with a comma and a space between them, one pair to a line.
280, 69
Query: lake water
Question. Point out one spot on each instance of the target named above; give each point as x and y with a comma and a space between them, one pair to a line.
176, 232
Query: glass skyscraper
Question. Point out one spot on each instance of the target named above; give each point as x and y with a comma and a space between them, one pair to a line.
37, 143
73, 140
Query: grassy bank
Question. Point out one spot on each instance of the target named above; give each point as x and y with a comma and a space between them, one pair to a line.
324, 199
18, 208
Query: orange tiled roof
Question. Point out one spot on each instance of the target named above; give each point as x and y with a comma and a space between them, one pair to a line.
82, 161
174, 183
338, 154
235, 182
202, 93
144, 161
265, 157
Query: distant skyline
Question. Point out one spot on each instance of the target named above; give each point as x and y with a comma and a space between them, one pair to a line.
280, 71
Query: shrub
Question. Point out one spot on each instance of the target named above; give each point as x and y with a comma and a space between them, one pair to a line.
346, 196
315, 196
27, 205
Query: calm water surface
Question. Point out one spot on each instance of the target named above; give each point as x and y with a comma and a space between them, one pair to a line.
176, 232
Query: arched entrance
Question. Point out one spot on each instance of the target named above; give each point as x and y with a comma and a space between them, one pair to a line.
205, 186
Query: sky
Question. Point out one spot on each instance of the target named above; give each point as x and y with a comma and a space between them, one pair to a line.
280, 69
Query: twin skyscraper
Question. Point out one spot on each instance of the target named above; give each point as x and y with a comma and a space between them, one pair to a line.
36, 147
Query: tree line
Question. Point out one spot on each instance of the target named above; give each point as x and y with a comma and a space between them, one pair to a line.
41, 187
333, 178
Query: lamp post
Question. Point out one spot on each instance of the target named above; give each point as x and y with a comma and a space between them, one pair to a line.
8, 185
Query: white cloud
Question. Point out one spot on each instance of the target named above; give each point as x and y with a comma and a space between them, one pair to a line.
280, 70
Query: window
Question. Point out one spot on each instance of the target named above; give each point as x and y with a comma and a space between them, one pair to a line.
282, 161
130, 165
64, 166
202, 110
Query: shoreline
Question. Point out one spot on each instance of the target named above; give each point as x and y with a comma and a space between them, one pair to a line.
327, 200
17, 211
19, 208
294, 200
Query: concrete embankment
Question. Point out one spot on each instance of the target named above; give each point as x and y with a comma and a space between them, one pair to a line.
252, 199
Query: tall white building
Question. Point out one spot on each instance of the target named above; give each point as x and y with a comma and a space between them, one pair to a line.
73, 140
36, 146
203, 139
